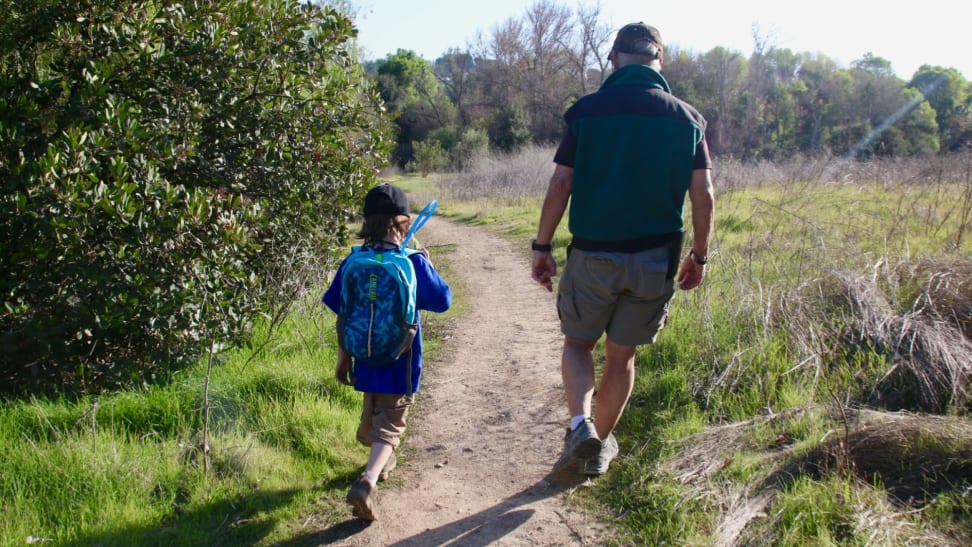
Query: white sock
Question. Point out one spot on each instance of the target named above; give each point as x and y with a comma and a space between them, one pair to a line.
576, 421
373, 480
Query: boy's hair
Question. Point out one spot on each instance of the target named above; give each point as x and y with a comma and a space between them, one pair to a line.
378, 227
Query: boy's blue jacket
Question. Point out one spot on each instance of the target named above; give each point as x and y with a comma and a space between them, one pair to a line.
434, 295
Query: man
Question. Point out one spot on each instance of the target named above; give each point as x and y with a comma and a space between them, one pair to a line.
631, 153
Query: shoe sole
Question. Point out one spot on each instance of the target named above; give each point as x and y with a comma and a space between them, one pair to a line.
360, 509
594, 471
593, 468
571, 469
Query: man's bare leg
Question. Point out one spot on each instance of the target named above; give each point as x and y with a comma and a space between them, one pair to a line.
577, 368
614, 390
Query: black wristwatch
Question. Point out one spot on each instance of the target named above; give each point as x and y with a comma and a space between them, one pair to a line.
700, 260
541, 247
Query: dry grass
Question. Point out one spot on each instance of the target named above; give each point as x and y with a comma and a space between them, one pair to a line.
928, 356
913, 458
732, 174
504, 177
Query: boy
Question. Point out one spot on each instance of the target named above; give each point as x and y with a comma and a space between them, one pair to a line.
388, 390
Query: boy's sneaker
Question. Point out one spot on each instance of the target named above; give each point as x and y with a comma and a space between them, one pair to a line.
389, 467
580, 445
599, 465
361, 499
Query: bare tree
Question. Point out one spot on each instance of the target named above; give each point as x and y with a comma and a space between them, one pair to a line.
455, 70
590, 53
548, 77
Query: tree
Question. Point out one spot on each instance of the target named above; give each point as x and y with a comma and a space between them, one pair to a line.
882, 108
589, 52
416, 100
548, 79
951, 97
712, 83
770, 114
510, 129
164, 166
456, 71
824, 102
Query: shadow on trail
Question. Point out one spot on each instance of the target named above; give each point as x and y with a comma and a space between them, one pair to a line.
479, 529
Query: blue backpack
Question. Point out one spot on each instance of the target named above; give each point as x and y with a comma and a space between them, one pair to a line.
377, 317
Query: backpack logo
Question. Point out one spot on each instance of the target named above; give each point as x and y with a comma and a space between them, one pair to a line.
377, 319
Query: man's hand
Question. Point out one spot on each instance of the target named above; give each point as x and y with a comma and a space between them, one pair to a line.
690, 274
544, 269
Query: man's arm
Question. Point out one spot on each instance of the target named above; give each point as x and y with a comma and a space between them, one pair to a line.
702, 196
554, 205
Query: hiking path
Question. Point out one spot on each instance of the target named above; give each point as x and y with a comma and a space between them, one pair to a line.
489, 420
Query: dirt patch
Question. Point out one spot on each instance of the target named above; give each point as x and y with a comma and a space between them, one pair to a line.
488, 422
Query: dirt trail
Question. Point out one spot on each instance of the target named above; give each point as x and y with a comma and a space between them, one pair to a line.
489, 420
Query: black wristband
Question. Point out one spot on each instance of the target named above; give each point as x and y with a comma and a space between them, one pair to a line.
541, 247
700, 260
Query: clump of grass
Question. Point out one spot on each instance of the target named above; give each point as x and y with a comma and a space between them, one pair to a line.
810, 474
503, 177
910, 354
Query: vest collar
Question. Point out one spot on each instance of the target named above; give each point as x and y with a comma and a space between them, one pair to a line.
639, 75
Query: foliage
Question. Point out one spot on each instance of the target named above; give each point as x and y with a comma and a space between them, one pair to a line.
471, 144
775, 105
510, 130
950, 97
429, 156
164, 165
417, 100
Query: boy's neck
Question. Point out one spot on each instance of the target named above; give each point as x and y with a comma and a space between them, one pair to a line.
388, 242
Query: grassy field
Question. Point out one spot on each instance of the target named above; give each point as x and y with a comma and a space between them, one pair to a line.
813, 391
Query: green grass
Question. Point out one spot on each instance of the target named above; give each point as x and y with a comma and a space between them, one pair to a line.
129, 468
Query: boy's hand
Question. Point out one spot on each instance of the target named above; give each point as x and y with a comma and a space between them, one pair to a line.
342, 373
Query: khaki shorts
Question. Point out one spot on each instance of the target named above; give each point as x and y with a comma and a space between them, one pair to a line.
383, 418
625, 295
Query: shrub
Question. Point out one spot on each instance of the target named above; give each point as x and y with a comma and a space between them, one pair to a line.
163, 166
429, 157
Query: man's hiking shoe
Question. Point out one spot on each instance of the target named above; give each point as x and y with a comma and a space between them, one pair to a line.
361, 498
389, 467
580, 445
599, 465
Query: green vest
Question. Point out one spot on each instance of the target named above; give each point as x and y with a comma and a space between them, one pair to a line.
635, 153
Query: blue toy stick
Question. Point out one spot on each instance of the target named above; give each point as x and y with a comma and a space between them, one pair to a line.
420, 221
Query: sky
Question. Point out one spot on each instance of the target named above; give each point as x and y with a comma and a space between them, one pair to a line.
908, 35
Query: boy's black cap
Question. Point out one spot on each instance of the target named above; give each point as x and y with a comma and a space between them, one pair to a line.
386, 199
638, 38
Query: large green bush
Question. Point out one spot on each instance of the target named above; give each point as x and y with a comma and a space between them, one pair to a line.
163, 166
